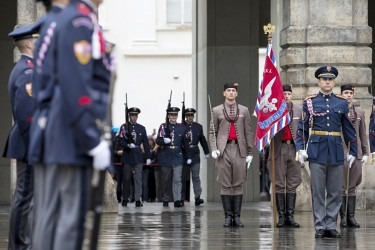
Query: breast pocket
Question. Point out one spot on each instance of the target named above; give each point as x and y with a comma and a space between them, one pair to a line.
313, 147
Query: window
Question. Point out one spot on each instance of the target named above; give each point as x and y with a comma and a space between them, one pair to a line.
179, 11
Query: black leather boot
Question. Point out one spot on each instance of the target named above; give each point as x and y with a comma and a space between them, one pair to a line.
351, 212
198, 201
280, 205
237, 203
290, 205
343, 222
227, 206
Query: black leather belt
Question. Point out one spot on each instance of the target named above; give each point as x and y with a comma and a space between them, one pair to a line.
232, 141
172, 147
287, 141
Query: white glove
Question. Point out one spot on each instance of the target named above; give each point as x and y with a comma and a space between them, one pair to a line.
364, 159
215, 154
148, 161
372, 155
302, 156
350, 160
101, 155
188, 161
167, 140
207, 156
131, 145
249, 159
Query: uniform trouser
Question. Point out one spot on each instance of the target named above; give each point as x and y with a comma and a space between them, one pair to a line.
64, 208
287, 170
231, 170
20, 218
355, 177
326, 179
145, 190
128, 169
158, 187
40, 202
194, 169
166, 174
119, 180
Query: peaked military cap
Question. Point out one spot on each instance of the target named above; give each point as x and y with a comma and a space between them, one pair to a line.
134, 110
173, 110
27, 31
190, 111
326, 72
347, 87
287, 88
233, 85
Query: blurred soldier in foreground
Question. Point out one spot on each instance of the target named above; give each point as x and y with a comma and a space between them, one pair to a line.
357, 117
73, 144
231, 141
22, 105
194, 135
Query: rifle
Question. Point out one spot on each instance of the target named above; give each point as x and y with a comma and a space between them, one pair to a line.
95, 201
183, 110
167, 132
127, 134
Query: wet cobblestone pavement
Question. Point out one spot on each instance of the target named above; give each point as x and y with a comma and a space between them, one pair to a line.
155, 227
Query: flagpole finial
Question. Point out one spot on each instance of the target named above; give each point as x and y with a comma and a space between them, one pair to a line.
268, 30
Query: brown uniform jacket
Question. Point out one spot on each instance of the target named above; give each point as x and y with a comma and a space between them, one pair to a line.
295, 114
360, 129
221, 127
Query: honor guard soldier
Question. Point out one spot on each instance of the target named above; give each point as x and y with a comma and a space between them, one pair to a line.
22, 105
357, 117
133, 157
231, 141
327, 116
43, 88
171, 138
73, 143
194, 135
287, 170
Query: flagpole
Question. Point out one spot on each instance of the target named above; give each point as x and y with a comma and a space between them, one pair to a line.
269, 29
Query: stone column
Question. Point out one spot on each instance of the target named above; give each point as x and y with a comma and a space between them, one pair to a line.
318, 32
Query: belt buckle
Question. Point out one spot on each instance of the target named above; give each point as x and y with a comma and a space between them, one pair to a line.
232, 142
329, 133
288, 141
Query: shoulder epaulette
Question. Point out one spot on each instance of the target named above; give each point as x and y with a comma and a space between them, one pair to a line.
340, 96
310, 97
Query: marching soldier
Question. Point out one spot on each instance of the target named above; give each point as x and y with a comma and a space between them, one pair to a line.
327, 116
22, 105
73, 145
171, 138
357, 117
231, 141
132, 156
287, 170
194, 136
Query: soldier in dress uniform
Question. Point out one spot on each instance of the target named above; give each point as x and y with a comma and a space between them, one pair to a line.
42, 94
327, 116
171, 138
231, 141
194, 136
287, 169
22, 105
357, 117
73, 145
132, 137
